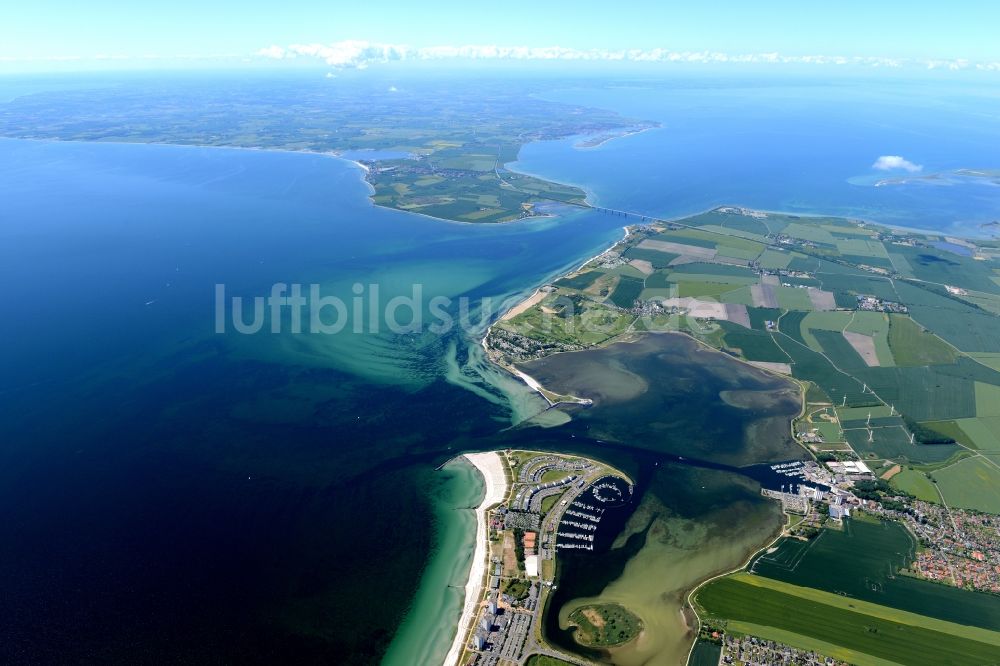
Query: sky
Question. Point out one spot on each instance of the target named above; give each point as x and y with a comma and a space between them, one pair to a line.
60, 34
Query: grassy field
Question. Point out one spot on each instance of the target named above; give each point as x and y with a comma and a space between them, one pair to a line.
917, 484
895, 443
862, 562
807, 643
964, 326
753, 345
857, 626
972, 483
982, 433
911, 344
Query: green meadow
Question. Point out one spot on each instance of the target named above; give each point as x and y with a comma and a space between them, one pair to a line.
862, 632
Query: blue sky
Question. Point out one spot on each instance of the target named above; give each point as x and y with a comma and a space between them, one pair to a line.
102, 33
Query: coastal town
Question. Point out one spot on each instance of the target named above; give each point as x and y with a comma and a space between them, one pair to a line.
548, 503
751, 651
956, 547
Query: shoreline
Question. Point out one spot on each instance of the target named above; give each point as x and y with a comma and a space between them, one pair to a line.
523, 305
600, 140
335, 154
526, 303
491, 466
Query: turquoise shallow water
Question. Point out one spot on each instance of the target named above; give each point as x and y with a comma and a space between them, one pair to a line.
426, 634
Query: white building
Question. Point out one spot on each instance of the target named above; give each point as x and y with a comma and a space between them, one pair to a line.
838, 511
531, 565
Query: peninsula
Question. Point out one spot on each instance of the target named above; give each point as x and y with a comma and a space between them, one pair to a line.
536, 504
439, 149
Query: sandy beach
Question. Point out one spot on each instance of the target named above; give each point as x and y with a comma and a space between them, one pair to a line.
491, 467
534, 299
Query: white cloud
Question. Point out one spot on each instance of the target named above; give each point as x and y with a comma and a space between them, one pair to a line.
360, 54
892, 162
272, 51
351, 53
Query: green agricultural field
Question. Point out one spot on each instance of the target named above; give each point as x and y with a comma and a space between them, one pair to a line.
810, 232
861, 413
807, 643
737, 233
846, 287
705, 653
790, 324
894, 443
861, 628
861, 247
981, 433
739, 296
752, 345
964, 326
930, 393
733, 279
830, 432
987, 399
987, 359
738, 253
712, 290
693, 237
912, 345
863, 561
735, 221
933, 265
973, 483
714, 272
659, 280
655, 257
811, 366
792, 298
917, 484
839, 351
626, 292
773, 259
